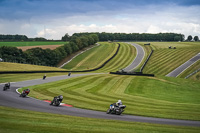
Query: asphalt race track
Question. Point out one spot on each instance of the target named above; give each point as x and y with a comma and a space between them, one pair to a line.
184, 66
138, 59
10, 98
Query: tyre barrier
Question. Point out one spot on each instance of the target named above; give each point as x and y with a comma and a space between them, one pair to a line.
132, 73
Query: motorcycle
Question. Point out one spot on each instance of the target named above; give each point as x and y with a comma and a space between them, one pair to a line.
116, 110
6, 86
24, 93
56, 101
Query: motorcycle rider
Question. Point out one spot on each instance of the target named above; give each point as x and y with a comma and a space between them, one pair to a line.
7, 85
117, 104
60, 97
26, 91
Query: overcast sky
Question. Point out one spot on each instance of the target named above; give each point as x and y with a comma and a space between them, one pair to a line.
53, 18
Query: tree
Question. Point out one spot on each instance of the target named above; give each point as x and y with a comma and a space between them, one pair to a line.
177, 38
84, 41
95, 37
189, 38
196, 38
66, 37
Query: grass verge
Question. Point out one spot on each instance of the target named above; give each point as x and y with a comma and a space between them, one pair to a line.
24, 121
7, 66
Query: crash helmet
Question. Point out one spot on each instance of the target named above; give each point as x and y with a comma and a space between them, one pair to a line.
119, 101
60, 96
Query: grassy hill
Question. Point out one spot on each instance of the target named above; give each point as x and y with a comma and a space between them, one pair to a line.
163, 97
92, 58
7, 66
165, 60
95, 57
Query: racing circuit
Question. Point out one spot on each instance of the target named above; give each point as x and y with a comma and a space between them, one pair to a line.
10, 98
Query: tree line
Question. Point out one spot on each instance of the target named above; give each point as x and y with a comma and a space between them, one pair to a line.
20, 38
47, 57
136, 36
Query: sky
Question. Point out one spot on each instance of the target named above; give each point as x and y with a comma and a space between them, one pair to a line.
52, 19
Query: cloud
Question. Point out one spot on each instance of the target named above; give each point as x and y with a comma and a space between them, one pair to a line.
52, 19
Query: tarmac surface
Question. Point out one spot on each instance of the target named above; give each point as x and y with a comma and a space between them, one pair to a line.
138, 59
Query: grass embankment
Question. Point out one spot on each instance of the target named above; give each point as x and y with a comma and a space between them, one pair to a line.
19, 121
146, 96
125, 56
7, 66
92, 58
97, 56
29, 76
19, 44
165, 60
190, 70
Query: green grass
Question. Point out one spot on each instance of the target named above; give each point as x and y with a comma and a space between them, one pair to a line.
24, 121
191, 69
19, 44
22, 77
97, 56
92, 58
7, 66
165, 60
146, 96
125, 56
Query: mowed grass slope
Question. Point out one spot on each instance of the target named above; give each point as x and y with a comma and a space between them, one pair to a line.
165, 60
36, 43
97, 56
124, 58
146, 96
30, 121
92, 58
190, 70
7, 66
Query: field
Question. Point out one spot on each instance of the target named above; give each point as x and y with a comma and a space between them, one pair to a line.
30, 121
165, 60
145, 96
36, 43
98, 55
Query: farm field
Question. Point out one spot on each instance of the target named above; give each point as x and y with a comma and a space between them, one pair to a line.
144, 96
38, 122
165, 60
34, 43
97, 56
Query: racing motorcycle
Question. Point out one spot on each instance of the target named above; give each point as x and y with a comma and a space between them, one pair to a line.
6, 86
57, 100
24, 93
116, 109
